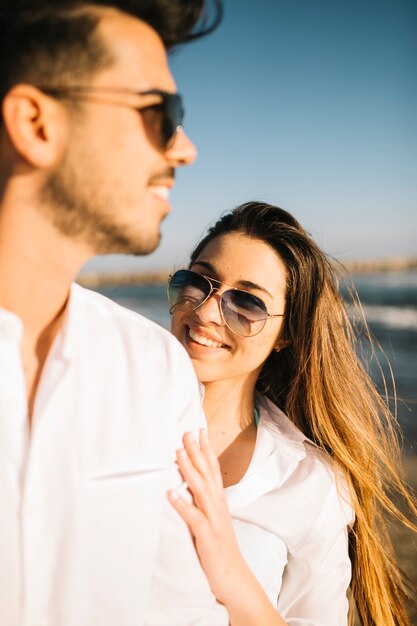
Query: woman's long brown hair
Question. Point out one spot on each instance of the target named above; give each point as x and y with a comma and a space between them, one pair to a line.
319, 381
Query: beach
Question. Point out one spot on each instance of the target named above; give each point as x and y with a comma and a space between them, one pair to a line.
404, 540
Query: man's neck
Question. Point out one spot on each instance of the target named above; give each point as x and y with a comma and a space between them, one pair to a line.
37, 266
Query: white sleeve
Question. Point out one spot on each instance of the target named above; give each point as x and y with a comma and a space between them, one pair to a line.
180, 592
318, 572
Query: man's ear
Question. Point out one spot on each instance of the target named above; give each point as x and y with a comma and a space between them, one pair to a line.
35, 124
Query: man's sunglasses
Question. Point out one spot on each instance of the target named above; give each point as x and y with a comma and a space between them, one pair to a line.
242, 312
163, 119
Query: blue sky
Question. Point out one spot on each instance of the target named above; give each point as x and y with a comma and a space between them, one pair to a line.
307, 104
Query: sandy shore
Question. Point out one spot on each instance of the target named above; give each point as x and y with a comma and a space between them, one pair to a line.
405, 541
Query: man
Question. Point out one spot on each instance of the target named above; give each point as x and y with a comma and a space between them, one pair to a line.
93, 398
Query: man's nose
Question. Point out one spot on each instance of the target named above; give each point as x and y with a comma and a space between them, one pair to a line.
182, 151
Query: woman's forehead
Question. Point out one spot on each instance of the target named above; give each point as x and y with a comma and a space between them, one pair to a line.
237, 257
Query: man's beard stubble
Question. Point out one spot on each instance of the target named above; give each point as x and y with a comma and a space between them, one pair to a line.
82, 214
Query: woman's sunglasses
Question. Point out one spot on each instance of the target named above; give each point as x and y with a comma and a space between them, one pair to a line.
161, 127
242, 312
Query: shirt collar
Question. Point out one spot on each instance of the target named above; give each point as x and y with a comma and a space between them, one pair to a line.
279, 448
73, 324
11, 326
64, 345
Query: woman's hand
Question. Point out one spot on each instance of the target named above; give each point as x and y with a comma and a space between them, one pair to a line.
208, 516
209, 520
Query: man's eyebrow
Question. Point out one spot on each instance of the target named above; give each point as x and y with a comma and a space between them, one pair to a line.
244, 284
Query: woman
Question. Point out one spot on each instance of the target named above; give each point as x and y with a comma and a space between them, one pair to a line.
306, 448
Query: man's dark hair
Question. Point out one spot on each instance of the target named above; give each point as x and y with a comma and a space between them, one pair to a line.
55, 42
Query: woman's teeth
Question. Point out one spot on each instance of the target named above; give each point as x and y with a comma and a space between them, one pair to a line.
204, 341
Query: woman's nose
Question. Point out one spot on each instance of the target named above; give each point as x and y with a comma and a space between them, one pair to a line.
210, 311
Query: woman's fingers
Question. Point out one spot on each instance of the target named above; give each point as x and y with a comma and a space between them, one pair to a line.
204, 459
207, 516
197, 455
191, 514
199, 486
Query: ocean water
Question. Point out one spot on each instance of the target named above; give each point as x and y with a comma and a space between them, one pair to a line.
389, 303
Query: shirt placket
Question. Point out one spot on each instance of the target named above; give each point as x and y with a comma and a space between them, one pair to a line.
41, 499
13, 455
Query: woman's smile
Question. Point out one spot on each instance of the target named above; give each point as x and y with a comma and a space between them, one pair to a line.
218, 353
202, 338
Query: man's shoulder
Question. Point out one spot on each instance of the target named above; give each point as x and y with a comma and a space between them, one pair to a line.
100, 321
108, 332
97, 308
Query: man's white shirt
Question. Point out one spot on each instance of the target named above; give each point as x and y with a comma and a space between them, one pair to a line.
87, 535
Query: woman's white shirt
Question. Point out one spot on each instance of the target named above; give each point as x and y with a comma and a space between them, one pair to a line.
291, 516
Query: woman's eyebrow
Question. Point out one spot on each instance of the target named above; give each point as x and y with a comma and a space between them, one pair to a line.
250, 285
245, 284
205, 264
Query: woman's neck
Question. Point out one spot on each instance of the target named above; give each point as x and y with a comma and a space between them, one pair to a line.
229, 409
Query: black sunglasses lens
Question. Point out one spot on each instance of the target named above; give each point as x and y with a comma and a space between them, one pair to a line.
187, 290
173, 115
243, 312
163, 119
